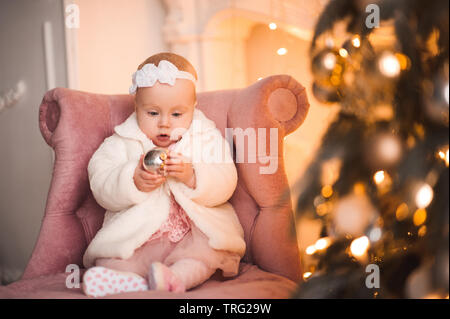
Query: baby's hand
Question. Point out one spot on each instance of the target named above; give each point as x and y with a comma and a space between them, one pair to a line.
146, 181
181, 168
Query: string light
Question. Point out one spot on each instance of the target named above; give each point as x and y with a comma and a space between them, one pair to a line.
424, 196
323, 209
388, 149
335, 80
402, 212
282, 51
389, 65
322, 243
383, 181
310, 250
329, 61
359, 246
420, 216
356, 42
343, 53
273, 26
443, 155
378, 177
375, 234
422, 231
359, 189
306, 275
403, 60
327, 191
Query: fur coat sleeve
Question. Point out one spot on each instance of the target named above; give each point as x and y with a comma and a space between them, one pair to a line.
215, 181
111, 176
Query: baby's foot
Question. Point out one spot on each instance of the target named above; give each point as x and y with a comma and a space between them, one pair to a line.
160, 277
101, 281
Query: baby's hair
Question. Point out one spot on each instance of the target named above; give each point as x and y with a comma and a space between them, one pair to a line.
180, 62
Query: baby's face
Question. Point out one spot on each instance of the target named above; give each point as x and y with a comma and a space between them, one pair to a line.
165, 112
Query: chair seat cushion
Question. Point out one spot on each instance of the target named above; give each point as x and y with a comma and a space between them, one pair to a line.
251, 283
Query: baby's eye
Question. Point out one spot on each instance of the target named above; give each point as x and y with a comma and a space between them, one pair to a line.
177, 114
152, 113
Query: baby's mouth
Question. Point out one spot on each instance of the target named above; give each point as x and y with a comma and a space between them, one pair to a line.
163, 137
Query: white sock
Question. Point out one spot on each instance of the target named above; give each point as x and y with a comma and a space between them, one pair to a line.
192, 272
100, 281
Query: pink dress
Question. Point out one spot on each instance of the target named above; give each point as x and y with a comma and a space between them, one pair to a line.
177, 224
177, 238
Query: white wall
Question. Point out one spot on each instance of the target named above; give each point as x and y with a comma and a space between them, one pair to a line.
114, 37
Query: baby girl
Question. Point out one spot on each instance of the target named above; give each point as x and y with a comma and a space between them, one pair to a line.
168, 230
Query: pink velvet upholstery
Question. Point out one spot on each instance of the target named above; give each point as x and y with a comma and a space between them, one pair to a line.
75, 123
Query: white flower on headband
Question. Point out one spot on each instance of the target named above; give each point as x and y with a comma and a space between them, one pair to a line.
165, 72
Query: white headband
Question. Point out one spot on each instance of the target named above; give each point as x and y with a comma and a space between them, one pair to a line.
166, 72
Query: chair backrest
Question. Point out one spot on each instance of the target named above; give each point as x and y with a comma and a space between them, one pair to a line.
75, 123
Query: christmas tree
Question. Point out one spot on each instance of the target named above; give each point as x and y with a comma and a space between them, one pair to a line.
380, 181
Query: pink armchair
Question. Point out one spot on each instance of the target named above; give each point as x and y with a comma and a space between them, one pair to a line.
75, 123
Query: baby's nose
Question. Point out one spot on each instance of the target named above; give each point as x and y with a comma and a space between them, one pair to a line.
164, 122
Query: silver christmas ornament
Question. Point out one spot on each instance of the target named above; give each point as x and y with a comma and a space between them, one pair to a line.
154, 160
352, 215
383, 149
327, 63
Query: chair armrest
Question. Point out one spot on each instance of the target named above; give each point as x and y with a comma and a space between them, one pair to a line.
275, 102
64, 125
74, 124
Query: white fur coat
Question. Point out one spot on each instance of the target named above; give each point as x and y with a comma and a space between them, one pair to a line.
133, 216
